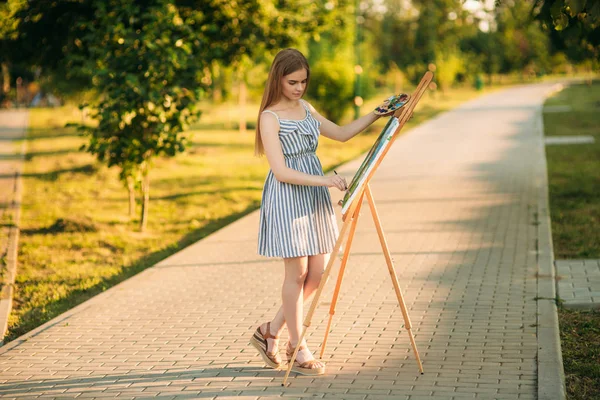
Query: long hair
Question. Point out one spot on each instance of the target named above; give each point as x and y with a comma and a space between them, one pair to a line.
286, 62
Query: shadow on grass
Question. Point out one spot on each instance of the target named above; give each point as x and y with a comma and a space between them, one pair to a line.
88, 169
204, 192
200, 145
32, 155
37, 317
220, 126
61, 225
46, 133
183, 195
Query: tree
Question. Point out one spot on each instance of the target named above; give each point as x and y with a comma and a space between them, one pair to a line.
147, 62
573, 25
143, 67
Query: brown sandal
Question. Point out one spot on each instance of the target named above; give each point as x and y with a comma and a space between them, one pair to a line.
259, 341
305, 368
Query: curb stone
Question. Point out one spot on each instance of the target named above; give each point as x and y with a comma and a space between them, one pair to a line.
551, 377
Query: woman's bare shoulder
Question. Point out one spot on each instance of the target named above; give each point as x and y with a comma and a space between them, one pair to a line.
310, 106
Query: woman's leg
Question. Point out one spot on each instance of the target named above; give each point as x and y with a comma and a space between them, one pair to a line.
302, 278
307, 271
316, 267
292, 292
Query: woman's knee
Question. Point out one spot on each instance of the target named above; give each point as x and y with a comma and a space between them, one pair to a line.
296, 270
312, 282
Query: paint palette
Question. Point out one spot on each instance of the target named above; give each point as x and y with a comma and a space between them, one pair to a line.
392, 104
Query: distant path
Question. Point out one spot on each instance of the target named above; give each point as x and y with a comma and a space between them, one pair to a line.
462, 202
13, 128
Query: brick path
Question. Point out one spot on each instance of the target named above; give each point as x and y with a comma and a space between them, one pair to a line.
579, 283
457, 197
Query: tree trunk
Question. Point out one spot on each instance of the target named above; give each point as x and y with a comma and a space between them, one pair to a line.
146, 195
5, 78
131, 189
217, 87
242, 106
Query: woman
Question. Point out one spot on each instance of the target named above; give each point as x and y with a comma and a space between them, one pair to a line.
297, 221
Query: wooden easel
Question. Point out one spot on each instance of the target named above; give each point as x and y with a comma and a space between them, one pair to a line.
350, 219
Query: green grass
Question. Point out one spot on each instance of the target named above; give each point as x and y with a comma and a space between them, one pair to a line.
574, 179
580, 340
574, 173
77, 238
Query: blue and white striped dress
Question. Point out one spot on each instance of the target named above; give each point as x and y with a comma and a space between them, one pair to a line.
297, 220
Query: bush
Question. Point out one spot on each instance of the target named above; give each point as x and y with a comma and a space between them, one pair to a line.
332, 88
449, 64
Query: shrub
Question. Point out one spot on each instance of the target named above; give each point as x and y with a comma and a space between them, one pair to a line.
332, 88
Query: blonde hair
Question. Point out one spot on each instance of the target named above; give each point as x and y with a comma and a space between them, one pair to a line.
286, 62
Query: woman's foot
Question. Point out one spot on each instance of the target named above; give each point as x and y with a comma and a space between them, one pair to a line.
273, 337
267, 344
305, 363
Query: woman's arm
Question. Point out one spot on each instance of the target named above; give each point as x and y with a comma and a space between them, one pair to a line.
269, 132
346, 132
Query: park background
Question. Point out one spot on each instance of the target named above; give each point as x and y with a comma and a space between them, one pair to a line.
148, 145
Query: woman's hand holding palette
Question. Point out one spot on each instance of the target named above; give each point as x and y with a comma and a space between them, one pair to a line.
391, 104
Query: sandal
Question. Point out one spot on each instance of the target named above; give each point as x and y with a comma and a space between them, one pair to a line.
259, 341
305, 368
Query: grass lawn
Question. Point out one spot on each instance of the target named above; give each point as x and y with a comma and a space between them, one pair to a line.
574, 173
574, 182
77, 238
580, 342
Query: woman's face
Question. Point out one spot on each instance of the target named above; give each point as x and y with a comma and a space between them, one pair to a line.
294, 84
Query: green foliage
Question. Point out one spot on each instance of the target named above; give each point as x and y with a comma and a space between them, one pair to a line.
141, 65
331, 87
563, 12
572, 25
149, 62
520, 40
332, 57
449, 63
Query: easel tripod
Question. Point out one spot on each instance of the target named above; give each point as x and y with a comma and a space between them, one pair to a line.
350, 219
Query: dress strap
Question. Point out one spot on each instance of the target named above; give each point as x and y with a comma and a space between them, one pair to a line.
272, 112
305, 105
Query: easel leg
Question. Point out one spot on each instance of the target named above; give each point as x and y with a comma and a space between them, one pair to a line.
341, 273
390, 265
315, 302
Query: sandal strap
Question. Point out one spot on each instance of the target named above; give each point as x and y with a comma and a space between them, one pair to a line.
307, 364
290, 349
264, 348
267, 334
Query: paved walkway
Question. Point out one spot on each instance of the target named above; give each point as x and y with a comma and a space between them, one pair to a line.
579, 283
13, 126
458, 199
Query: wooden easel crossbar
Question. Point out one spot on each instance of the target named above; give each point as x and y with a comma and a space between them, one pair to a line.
350, 219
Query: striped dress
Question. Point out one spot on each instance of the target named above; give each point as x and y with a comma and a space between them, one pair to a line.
297, 220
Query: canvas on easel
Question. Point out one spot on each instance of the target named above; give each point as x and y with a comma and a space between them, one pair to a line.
369, 163
351, 204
